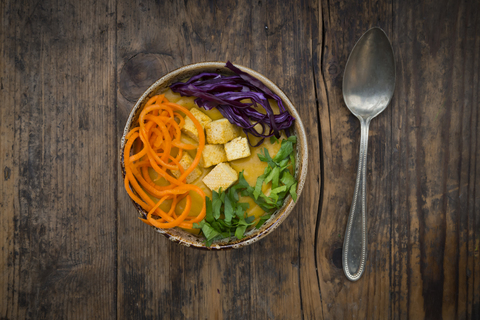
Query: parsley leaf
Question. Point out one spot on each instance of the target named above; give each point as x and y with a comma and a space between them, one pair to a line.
273, 140
292, 139
258, 186
265, 157
262, 220
226, 217
285, 150
209, 215
293, 191
228, 211
239, 212
196, 225
292, 160
208, 231
274, 172
216, 204
233, 222
277, 172
240, 231
287, 179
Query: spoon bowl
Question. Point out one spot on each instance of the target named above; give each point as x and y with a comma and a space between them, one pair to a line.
369, 79
368, 86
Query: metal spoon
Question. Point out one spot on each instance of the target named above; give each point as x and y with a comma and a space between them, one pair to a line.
368, 85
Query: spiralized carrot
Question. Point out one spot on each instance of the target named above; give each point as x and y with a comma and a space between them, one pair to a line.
158, 134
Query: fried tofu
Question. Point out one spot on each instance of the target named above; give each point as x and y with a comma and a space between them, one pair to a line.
189, 127
220, 131
237, 148
213, 154
222, 176
186, 162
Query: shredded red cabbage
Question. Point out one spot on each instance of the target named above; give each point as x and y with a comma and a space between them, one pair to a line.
226, 92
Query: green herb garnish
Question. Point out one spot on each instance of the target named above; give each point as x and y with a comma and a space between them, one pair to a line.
274, 139
226, 216
278, 173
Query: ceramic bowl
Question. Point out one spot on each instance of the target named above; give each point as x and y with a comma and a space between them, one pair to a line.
183, 237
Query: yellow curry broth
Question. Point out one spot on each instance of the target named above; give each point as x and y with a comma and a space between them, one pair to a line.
251, 166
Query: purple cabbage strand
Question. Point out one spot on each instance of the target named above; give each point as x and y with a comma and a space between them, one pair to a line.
225, 93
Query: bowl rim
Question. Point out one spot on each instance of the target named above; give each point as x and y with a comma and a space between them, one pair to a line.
182, 237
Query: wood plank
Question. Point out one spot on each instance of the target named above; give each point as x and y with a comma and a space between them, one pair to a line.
274, 278
9, 169
421, 226
71, 71
61, 95
367, 298
437, 130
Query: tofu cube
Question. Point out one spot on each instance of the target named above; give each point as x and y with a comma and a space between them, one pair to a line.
222, 176
189, 127
220, 131
213, 154
237, 148
186, 162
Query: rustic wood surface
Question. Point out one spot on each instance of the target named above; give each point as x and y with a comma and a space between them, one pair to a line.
71, 245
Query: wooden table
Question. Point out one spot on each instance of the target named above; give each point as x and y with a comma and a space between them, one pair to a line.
72, 246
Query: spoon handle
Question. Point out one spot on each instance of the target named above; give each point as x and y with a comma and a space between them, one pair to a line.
355, 242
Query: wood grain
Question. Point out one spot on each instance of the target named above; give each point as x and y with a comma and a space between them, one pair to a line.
58, 220
71, 245
265, 280
9, 168
369, 297
420, 159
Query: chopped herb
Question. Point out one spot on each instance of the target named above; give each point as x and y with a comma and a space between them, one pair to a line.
244, 206
285, 150
226, 217
228, 211
287, 179
277, 172
240, 212
284, 163
258, 186
208, 203
262, 220
273, 140
293, 191
234, 221
271, 176
292, 139
276, 177
279, 189
266, 157
208, 231
216, 205
240, 231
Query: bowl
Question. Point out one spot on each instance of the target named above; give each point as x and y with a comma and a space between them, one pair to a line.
190, 240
